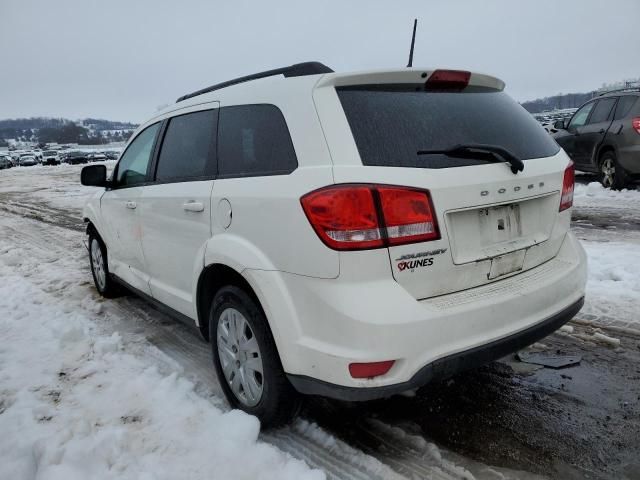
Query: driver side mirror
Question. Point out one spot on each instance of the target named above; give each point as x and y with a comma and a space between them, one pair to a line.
94, 176
561, 124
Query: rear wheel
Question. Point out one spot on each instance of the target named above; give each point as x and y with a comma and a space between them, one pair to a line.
612, 175
246, 359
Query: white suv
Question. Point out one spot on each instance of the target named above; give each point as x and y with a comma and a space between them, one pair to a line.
345, 235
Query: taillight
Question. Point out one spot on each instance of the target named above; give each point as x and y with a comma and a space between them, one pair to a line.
370, 370
636, 124
408, 215
357, 217
448, 80
568, 182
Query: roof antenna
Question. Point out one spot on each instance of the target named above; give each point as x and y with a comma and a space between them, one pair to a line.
413, 42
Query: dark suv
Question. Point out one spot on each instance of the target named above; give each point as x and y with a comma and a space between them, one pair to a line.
603, 137
75, 157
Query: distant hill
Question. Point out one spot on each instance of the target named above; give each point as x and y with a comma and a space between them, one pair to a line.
88, 131
558, 102
574, 100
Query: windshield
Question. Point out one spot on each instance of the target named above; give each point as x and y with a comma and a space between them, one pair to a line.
390, 124
49, 152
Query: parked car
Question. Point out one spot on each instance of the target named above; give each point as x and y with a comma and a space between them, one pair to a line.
50, 157
75, 157
346, 235
96, 157
603, 137
5, 162
112, 155
27, 160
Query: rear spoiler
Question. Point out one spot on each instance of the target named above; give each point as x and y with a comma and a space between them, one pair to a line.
410, 76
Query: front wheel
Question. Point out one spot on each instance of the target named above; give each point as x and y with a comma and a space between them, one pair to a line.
612, 175
100, 268
247, 361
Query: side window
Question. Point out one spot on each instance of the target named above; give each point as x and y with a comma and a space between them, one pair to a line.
580, 117
602, 110
133, 164
188, 146
254, 140
624, 105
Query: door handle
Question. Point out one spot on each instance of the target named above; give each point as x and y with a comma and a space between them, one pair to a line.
192, 206
131, 205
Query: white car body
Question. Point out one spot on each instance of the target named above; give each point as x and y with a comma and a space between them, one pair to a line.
50, 157
326, 308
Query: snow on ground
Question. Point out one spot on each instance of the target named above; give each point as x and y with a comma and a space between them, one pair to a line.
57, 185
613, 287
75, 404
613, 249
594, 194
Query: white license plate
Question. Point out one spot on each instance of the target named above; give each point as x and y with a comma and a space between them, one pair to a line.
505, 264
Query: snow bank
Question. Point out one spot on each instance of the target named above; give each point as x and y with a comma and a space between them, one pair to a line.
75, 405
613, 285
594, 194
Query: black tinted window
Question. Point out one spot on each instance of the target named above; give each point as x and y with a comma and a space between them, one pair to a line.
624, 105
132, 167
254, 140
188, 146
602, 110
390, 125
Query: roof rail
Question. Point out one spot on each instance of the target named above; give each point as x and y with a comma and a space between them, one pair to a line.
626, 89
297, 70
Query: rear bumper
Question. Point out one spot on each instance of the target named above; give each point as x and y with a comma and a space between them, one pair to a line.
442, 368
320, 326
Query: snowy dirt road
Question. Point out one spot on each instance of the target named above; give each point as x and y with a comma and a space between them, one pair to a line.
116, 389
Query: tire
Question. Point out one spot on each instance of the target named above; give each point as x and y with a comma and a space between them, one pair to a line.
268, 394
610, 173
100, 268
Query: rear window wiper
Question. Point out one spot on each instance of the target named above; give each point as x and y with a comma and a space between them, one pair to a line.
481, 151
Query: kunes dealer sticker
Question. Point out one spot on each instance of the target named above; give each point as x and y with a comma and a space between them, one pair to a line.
412, 261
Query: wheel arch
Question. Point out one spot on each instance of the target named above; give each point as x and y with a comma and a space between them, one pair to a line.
90, 227
212, 278
602, 149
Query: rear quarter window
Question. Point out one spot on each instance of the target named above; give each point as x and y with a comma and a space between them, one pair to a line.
602, 110
624, 106
253, 140
391, 124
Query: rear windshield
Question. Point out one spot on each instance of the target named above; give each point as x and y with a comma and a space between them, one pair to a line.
391, 124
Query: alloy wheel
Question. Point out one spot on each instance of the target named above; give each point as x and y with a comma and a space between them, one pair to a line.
608, 170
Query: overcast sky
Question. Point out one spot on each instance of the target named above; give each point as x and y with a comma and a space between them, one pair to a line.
122, 59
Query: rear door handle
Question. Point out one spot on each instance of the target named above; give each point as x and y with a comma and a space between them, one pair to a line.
131, 205
192, 206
